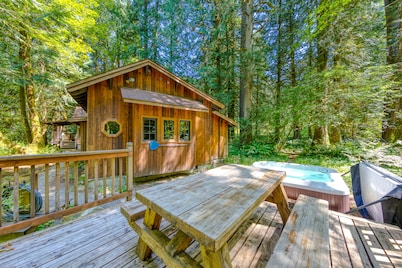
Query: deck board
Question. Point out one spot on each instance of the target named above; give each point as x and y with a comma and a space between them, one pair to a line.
104, 239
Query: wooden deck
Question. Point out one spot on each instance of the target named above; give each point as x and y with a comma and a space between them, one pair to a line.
104, 239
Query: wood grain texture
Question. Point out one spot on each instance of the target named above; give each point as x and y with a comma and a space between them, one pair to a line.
104, 239
304, 241
210, 206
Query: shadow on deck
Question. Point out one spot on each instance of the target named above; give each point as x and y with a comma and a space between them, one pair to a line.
104, 239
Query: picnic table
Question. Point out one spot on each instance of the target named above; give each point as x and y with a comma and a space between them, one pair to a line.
207, 207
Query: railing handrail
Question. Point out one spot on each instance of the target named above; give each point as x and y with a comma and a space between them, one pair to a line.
38, 159
97, 161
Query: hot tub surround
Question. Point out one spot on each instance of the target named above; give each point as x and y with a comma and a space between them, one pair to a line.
302, 179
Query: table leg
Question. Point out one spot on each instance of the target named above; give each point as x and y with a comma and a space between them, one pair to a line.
151, 220
220, 258
280, 198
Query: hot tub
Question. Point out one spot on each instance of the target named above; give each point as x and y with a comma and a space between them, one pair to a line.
314, 181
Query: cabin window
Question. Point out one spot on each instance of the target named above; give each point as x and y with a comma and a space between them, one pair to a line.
149, 129
111, 128
168, 129
184, 130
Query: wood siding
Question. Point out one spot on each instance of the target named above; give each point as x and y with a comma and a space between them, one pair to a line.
104, 102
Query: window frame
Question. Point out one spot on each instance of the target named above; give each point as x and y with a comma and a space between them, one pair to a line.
108, 134
143, 130
189, 131
174, 139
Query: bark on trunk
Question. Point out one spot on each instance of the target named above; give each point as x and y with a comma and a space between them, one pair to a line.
246, 72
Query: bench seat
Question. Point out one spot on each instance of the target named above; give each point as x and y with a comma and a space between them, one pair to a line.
304, 241
133, 210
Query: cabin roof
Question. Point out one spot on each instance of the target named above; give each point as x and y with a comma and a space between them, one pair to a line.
78, 90
224, 117
146, 97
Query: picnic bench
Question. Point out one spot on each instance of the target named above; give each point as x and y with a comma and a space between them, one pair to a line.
304, 241
207, 207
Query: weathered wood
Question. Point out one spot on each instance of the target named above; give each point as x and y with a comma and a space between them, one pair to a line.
178, 243
16, 194
58, 214
66, 184
218, 258
32, 193
152, 221
133, 210
158, 242
339, 251
208, 207
104, 239
357, 253
57, 188
306, 228
226, 196
47, 190
28, 160
75, 183
279, 197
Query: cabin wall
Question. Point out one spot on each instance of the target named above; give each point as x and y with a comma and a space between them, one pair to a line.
172, 155
104, 102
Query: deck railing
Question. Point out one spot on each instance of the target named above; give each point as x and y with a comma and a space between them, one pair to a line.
40, 188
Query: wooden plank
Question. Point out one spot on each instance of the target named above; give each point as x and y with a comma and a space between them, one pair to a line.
271, 237
32, 208
386, 251
178, 243
47, 189
127, 256
306, 227
212, 196
395, 246
220, 258
250, 245
279, 197
357, 253
152, 221
104, 176
370, 241
339, 251
77, 242
16, 194
51, 242
158, 242
66, 184
86, 184
133, 210
75, 183
57, 188
96, 178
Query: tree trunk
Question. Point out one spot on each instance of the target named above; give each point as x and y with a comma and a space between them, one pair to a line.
30, 115
321, 132
293, 73
392, 123
246, 69
335, 135
278, 88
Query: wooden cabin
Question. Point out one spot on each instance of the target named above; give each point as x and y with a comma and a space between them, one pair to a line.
66, 137
173, 125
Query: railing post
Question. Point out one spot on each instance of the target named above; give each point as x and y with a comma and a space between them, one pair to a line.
130, 166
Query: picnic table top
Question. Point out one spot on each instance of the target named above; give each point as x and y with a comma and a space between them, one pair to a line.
210, 206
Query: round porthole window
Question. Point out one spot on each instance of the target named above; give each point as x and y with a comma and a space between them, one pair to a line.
111, 128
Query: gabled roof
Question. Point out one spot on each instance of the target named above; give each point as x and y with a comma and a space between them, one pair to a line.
146, 97
224, 117
78, 90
